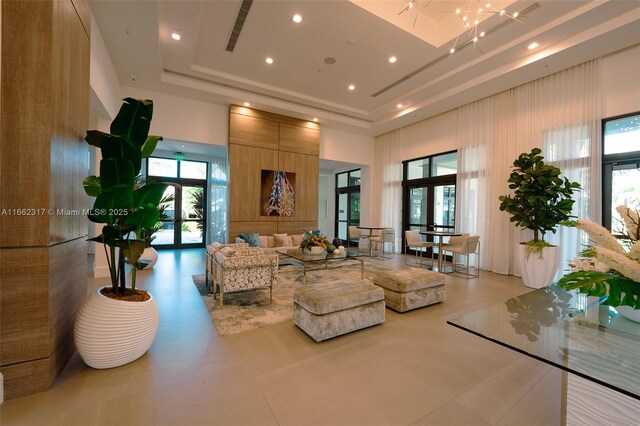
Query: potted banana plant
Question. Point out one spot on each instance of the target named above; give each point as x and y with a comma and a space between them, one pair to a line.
118, 323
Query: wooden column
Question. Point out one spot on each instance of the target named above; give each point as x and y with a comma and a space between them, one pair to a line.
43, 158
260, 140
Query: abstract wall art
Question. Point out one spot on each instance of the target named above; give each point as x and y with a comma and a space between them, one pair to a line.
278, 194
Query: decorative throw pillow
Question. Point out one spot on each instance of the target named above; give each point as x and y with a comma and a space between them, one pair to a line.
296, 239
282, 240
252, 239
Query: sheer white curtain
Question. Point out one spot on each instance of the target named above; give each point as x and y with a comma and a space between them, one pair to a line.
218, 196
561, 115
388, 177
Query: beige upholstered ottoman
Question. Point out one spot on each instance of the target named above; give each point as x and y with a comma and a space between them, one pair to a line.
410, 288
326, 310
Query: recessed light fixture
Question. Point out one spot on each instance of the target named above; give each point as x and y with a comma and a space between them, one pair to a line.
399, 105
176, 36
315, 120
533, 45
247, 104
452, 50
297, 18
269, 60
393, 59
351, 87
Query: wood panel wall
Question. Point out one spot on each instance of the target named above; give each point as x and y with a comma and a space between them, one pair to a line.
44, 115
260, 140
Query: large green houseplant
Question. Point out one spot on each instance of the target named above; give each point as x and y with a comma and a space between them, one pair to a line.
107, 332
541, 200
123, 207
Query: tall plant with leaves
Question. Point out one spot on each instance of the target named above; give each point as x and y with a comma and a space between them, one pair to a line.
121, 206
198, 209
541, 199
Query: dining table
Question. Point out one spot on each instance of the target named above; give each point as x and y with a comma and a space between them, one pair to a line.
371, 229
441, 235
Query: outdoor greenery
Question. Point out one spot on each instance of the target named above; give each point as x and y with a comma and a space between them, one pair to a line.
541, 198
119, 204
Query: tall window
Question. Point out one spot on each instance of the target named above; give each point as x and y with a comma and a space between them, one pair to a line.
429, 192
184, 217
620, 167
347, 201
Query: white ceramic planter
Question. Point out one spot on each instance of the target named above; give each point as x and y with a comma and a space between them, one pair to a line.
151, 255
629, 313
109, 333
538, 271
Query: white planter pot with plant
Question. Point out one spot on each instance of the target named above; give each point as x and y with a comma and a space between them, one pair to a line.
541, 200
117, 324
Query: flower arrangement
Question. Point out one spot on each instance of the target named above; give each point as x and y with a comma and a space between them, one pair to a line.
314, 239
608, 268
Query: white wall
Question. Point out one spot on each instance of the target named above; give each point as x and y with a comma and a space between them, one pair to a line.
324, 224
340, 145
185, 119
103, 78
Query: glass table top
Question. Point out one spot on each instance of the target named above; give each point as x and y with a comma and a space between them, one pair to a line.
567, 330
308, 257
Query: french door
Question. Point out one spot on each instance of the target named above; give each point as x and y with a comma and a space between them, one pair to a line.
183, 221
430, 205
347, 211
620, 168
184, 217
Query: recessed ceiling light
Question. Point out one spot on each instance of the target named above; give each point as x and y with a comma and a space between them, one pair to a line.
351, 87
176, 36
533, 45
452, 50
399, 105
393, 59
315, 120
297, 18
247, 104
269, 60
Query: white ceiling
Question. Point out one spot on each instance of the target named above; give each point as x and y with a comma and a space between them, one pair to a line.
299, 83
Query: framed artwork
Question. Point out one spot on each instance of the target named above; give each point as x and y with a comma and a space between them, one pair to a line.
277, 193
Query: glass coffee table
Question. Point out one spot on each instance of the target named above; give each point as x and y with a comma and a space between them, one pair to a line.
312, 262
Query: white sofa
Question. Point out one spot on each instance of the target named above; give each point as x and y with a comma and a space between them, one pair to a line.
267, 243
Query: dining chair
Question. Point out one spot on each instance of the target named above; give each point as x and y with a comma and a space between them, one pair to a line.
465, 245
387, 236
414, 240
354, 233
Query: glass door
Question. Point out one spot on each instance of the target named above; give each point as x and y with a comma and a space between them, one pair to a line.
347, 202
184, 217
165, 236
182, 227
620, 168
191, 222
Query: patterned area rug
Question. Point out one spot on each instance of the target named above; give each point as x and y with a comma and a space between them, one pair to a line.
249, 310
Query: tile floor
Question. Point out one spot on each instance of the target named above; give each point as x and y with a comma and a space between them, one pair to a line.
413, 369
